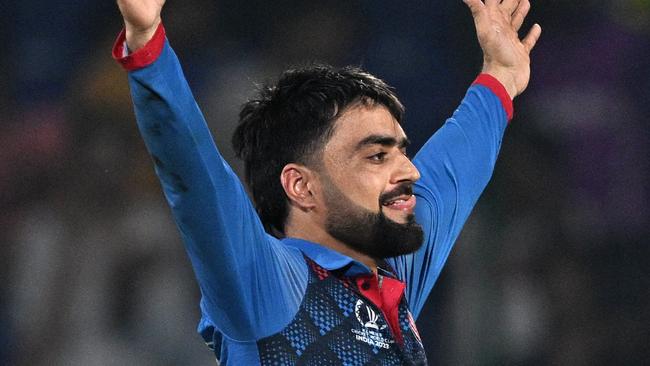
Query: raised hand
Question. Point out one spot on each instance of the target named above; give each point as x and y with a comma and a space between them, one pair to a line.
141, 18
505, 56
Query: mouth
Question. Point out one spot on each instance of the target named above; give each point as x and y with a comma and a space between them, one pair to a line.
404, 203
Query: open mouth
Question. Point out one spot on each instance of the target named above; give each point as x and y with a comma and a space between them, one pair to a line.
401, 203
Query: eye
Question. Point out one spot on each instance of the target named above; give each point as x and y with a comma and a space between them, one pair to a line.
379, 157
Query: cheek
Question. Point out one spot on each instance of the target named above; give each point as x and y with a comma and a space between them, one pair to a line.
364, 190
358, 183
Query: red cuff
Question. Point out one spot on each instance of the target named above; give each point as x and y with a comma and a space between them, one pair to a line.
497, 88
143, 57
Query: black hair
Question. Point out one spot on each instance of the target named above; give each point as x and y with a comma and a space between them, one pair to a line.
291, 121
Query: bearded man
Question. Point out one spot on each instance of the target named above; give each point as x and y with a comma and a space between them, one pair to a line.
334, 260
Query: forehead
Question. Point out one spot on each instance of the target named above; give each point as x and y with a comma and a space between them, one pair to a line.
361, 121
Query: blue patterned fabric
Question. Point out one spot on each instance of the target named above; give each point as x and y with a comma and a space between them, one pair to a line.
336, 325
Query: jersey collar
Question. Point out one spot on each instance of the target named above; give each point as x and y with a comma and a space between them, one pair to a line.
327, 258
332, 260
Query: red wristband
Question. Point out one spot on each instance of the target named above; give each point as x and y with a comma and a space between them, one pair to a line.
144, 56
499, 90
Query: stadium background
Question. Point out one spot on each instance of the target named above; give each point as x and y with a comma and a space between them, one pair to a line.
552, 267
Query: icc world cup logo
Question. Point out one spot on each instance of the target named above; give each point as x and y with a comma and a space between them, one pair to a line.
368, 317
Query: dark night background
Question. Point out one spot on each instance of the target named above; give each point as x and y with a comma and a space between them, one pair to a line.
552, 267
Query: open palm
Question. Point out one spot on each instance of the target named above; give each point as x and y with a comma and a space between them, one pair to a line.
505, 55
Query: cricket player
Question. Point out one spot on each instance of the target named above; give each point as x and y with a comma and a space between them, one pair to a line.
332, 260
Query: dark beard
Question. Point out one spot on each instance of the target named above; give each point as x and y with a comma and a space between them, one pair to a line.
370, 233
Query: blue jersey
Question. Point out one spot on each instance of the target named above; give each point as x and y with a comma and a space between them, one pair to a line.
252, 284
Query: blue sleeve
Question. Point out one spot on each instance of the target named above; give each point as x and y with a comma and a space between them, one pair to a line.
251, 283
455, 166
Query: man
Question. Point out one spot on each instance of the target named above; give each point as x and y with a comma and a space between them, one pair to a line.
325, 162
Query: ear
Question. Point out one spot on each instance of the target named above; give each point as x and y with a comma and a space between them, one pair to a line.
297, 183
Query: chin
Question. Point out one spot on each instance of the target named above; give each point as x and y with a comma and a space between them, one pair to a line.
398, 217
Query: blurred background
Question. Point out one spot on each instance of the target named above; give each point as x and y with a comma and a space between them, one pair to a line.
552, 267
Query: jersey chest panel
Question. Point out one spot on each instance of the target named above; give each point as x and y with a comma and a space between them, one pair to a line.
335, 325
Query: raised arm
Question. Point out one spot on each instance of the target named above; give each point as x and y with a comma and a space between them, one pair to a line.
457, 161
244, 274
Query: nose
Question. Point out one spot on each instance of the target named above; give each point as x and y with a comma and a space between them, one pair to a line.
406, 171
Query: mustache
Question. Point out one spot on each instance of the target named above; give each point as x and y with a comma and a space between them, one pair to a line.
403, 189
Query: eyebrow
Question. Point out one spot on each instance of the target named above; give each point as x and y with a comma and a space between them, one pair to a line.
384, 140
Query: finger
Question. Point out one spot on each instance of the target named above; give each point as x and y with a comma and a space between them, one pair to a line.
509, 6
531, 38
475, 6
520, 14
492, 3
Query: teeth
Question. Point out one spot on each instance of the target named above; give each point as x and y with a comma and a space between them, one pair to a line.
395, 202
